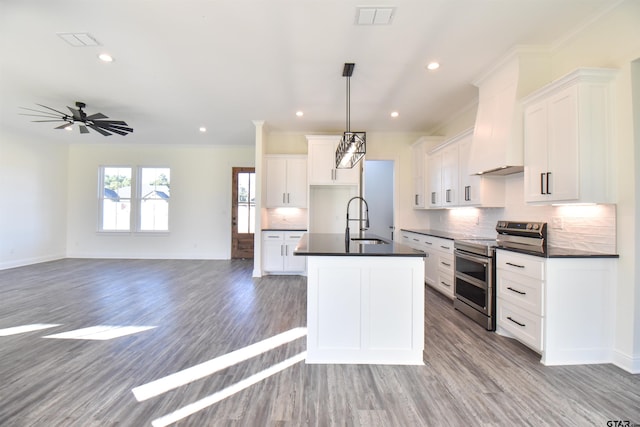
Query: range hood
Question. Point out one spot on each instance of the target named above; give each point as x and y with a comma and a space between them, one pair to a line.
497, 147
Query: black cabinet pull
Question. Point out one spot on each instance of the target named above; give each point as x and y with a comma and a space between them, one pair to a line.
446, 284
515, 265
516, 322
548, 175
467, 193
542, 183
445, 247
416, 201
445, 263
516, 291
433, 197
448, 196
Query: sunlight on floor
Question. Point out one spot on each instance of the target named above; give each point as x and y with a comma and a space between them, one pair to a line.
26, 328
100, 332
212, 366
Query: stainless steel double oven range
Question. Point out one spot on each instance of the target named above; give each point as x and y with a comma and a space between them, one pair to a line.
475, 267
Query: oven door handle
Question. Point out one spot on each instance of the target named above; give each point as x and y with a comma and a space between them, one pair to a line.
479, 259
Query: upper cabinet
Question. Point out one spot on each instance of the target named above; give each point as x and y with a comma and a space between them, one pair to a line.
419, 170
286, 181
322, 163
567, 136
450, 182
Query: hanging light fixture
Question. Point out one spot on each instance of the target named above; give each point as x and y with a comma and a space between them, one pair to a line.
353, 145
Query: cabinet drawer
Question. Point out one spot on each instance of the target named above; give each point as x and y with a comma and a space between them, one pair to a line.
445, 263
445, 284
522, 291
293, 236
438, 244
522, 264
526, 327
272, 236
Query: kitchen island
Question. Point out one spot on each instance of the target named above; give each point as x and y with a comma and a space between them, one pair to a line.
365, 300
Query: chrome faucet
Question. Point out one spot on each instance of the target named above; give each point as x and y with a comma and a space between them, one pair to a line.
347, 237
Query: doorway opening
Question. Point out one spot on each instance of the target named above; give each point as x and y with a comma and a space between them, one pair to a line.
243, 212
379, 193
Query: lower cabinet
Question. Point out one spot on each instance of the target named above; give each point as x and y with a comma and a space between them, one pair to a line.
560, 307
438, 266
277, 252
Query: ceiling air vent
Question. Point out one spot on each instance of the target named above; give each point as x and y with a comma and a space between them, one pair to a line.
79, 39
374, 15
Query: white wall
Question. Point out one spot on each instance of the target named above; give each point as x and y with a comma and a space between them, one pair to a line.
33, 201
200, 207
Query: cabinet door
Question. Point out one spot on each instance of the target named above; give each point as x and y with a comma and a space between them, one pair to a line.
434, 164
450, 176
469, 193
296, 193
321, 162
322, 168
535, 152
562, 151
291, 261
272, 251
276, 188
418, 155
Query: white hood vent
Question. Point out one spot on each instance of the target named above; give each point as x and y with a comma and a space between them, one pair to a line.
497, 146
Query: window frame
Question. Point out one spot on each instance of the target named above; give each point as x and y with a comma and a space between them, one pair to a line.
135, 201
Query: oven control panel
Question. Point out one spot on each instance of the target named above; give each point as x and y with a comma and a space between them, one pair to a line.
538, 229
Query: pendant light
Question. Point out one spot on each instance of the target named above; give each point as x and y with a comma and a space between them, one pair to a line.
352, 146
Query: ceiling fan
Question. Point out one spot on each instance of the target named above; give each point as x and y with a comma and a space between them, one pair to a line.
95, 121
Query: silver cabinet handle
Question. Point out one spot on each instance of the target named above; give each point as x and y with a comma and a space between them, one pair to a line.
467, 193
433, 197
416, 200
446, 284
445, 263
283, 198
445, 247
448, 195
288, 201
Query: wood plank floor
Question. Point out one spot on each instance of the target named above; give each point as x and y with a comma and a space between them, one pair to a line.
205, 309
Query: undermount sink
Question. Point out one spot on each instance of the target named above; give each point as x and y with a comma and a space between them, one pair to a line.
368, 241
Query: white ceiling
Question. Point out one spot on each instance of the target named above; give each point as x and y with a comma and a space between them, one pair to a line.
182, 64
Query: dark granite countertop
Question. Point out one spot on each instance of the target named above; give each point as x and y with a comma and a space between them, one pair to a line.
326, 244
556, 252
284, 229
442, 234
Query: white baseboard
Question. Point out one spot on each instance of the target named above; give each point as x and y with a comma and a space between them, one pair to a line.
630, 363
4, 265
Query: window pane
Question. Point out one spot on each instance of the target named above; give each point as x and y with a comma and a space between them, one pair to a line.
246, 202
116, 199
155, 194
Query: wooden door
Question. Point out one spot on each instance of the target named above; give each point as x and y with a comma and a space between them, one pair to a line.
243, 212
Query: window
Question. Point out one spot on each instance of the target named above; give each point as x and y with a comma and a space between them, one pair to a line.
246, 202
134, 199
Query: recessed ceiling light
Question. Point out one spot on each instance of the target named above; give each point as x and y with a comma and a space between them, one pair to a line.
105, 57
433, 66
203, 129
394, 114
299, 113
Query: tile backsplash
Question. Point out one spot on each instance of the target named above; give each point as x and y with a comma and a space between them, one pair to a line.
582, 227
284, 218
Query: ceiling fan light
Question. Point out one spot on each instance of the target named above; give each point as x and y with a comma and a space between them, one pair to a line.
105, 57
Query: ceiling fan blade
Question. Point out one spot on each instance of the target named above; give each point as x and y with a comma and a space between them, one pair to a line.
100, 131
112, 122
52, 109
75, 113
46, 117
44, 121
41, 113
109, 126
118, 131
83, 129
97, 116
64, 126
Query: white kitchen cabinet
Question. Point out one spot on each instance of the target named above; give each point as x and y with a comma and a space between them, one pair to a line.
434, 183
438, 268
421, 169
442, 163
418, 156
567, 137
562, 308
476, 190
450, 180
322, 163
286, 183
277, 252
